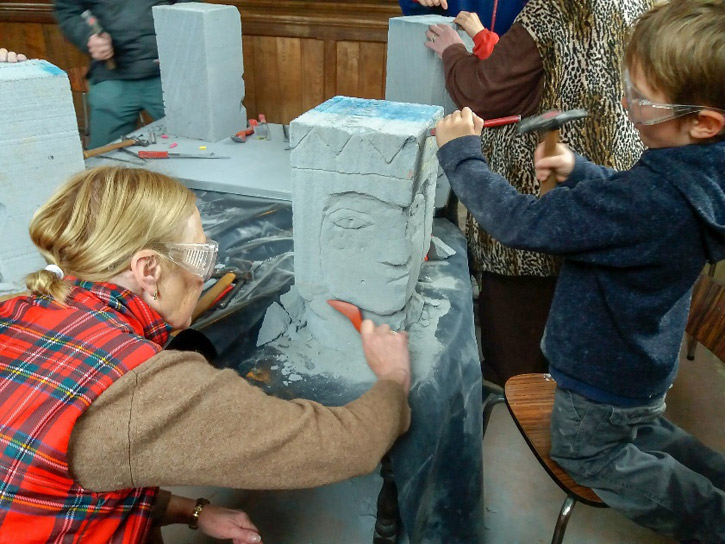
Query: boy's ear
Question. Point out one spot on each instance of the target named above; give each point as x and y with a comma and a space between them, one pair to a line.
708, 124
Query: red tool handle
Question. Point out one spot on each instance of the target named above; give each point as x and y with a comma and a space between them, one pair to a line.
511, 119
349, 310
499, 121
153, 154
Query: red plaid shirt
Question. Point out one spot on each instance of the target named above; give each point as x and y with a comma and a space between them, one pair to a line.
55, 361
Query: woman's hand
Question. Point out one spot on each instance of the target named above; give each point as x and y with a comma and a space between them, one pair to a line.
433, 3
441, 37
561, 163
11, 56
225, 523
459, 123
469, 22
386, 352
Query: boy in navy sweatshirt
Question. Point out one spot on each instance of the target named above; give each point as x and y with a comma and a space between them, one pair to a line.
633, 243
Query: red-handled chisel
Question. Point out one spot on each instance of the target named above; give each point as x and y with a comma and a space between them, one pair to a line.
168, 155
499, 121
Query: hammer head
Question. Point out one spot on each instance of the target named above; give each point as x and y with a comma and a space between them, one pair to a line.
551, 120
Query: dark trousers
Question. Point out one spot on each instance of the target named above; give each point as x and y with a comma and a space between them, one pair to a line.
512, 312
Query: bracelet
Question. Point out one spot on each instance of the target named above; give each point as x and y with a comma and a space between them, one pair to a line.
200, 504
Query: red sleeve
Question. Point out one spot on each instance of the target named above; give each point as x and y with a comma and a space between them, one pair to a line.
509, 82
483, 43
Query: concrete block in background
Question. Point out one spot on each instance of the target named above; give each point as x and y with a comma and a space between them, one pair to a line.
39, 149
363, 182
200, 55
414, 72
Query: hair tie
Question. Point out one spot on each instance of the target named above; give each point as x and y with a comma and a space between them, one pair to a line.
55, 269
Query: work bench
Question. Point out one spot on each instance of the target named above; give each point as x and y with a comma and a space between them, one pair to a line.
437, 465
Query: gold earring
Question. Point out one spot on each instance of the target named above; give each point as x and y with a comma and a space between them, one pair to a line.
156, 294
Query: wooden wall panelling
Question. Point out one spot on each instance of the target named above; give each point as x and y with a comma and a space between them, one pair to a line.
312, 66
266, 77
372, 79
348, 70
297, 53
250, 94
35, 47
290, 69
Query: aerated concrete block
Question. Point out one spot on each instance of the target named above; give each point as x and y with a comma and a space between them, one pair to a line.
415, 73
39, 149
200, 55
363, 183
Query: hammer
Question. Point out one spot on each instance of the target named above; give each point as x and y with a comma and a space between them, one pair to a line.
550, 122
128, 141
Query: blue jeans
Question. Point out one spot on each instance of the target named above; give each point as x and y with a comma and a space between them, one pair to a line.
642, 465
115, 105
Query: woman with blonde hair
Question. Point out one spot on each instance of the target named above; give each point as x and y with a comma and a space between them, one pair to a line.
94, 415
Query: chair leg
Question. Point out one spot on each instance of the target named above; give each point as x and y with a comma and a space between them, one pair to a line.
691, 346
493, 396
563, 519
488, 405
386, 524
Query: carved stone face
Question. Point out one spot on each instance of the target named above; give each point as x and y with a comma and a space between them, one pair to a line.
363, 189
371, 250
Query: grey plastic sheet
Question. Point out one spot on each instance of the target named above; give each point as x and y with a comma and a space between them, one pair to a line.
437, 465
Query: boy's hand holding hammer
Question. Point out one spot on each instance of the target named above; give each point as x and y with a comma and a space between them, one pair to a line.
560, 163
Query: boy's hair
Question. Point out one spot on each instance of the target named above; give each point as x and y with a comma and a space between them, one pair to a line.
680, 48
97, 220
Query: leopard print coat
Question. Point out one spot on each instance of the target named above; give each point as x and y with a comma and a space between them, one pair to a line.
581, 44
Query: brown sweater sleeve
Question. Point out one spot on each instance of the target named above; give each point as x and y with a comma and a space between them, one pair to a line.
509, 82
176, 420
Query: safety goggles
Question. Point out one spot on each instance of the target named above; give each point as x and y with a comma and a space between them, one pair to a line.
198, 259
645, 112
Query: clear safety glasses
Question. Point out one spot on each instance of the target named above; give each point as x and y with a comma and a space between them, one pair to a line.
645, 112
198, 259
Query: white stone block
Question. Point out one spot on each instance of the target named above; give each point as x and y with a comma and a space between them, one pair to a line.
414, 73
200, 55
363, 183
39, 149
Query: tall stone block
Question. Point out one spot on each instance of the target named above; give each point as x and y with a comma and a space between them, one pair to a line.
414, 72
200, 55
363, 182
39, 149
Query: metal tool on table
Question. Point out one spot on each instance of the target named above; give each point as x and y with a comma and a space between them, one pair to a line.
349, 310
241, 136
207, 299
172, 155
241, 279
127, 142
263, 132
549, 123
96, 27
497, 122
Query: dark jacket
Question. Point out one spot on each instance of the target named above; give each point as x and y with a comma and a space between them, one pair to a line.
633, 244
506, 11
131, 27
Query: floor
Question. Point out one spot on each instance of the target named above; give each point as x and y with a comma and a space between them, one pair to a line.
521, 502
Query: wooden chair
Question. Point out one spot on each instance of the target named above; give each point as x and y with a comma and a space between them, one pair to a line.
79, 87
706, 323
530, 399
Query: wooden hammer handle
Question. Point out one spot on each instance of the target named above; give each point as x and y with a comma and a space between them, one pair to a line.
107, 148
208, 298
551, 138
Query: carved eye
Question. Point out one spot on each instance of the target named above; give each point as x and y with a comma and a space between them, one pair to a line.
350, 219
